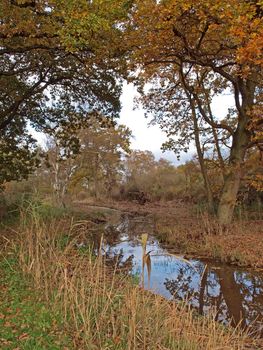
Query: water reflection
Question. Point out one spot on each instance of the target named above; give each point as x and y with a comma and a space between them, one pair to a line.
231, 294
235, 296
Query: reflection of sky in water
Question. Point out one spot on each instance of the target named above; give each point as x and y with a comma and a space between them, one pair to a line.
162, 266
183, 278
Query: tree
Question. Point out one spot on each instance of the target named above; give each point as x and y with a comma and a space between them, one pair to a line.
220, 37
157, 180
102, 150
60, 167
138, 168
58, 58
97, 166
139, 163
170, 103
17, 157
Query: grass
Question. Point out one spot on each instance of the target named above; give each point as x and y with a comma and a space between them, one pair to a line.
83, 303
26, 322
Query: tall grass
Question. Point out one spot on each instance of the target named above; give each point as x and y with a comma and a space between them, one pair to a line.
103, 308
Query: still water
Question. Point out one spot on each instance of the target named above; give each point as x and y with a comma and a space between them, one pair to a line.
232, 295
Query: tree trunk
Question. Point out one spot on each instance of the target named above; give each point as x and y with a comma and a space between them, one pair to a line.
218, 150
233, 176
228, 197
240, 142
209, 194
95, 174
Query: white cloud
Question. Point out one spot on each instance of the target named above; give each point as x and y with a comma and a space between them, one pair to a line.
221, 104
145, 137
151, 137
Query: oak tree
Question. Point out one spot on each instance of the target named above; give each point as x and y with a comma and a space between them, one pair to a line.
222, 37
57, 58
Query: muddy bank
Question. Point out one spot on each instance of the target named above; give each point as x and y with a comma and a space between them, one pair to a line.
180, 227
229, 294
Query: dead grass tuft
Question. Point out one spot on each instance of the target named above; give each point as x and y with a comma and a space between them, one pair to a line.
103, 308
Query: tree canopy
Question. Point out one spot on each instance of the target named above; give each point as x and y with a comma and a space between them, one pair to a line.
63, 61
190, 51
98, 165
58, 58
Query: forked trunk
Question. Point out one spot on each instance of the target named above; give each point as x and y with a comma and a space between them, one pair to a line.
240, 143
233, 176
209, 194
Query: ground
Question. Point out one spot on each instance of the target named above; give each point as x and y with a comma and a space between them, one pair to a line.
116, 314
185, 229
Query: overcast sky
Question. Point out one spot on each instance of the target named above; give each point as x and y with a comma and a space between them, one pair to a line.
151, 137
144, 137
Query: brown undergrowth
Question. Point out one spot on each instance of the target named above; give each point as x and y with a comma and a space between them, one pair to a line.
103, 308
239, 244
188, 230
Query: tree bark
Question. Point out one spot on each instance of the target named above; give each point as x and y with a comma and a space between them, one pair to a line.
233, 176
209, 194
229, 195
95, 174
188, 91
240, 143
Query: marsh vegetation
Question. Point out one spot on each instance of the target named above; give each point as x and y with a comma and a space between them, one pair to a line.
110, 247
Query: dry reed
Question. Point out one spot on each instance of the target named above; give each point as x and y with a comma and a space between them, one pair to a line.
104, 309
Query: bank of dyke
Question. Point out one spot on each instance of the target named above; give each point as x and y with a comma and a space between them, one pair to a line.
186, 230
96, 306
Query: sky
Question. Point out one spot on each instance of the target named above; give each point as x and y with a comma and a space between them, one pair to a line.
144, 137
151, 137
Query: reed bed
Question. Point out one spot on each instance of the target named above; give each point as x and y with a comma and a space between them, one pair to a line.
102, 307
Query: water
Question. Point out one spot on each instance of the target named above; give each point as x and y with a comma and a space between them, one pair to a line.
232, 295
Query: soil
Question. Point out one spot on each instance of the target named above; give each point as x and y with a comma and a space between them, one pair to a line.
188, 231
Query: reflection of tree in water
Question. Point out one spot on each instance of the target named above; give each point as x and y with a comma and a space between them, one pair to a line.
188, 286
181, 288
237, 297
118, 263
251, 288
136, 225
